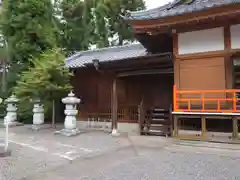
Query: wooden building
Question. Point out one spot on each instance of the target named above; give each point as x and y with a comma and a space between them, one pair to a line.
206, 44
113, 82
189, 57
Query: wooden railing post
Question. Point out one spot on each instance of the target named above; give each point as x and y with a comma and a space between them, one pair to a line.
203, 102
175, 98
234, 102
218, 106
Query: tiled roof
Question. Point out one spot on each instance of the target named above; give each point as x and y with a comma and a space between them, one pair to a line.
83, 58
178, 7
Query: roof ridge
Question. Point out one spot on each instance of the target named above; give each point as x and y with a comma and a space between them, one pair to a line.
176, 8
113, 47
150, 10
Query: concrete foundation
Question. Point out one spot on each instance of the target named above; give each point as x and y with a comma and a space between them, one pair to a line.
123, 128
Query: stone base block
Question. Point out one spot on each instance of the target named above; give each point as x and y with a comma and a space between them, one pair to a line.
68, 132
14, 124
40, 127
115, 133
4, 153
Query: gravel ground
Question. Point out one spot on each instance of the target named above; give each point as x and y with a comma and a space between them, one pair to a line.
44, 156
170, 165
25, 161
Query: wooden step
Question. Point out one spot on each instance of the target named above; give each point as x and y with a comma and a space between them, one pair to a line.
156, 125
159, 114
159, 119
159, 127
158, 109
155, 131
158, 133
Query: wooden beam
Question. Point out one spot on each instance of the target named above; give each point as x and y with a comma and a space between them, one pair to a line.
145, 72
175, 125
114, 111
235, 127
203, 122
206, 114
176, 61
228, 61
211, 54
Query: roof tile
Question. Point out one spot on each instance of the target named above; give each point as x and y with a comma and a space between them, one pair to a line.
81, 59
175, 8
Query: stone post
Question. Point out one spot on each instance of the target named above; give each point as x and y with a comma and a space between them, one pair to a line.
71, 111
4, 150
11, 116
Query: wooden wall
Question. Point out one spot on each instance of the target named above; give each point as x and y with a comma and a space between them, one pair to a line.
95, 90
156, 90
203, 68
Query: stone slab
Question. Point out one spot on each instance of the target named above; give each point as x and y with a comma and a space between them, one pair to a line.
14, 124
68, 132
40, 127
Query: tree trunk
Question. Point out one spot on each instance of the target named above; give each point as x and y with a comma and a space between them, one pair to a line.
4, 88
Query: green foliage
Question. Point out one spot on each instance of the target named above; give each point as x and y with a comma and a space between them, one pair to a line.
95, 22
75, 25
33, 29
28, 28
117, 26
48, 79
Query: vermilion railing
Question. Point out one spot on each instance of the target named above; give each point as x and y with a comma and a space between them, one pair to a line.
214, 101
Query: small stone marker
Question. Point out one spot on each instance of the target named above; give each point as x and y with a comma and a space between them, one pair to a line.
71, 112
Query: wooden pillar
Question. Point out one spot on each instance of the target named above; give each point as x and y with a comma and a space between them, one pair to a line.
235, 127
203, 122
175, 125
114, 105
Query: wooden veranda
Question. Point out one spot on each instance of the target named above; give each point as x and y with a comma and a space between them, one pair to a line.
206, 105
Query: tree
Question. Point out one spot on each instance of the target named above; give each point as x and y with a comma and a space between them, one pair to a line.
95, 22
3, 64
48, 79
117, 27
75, 25
28, 28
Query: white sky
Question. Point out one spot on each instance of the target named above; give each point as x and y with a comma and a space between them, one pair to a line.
156, 3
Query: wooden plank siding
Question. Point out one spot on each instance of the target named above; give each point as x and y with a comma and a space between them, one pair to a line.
95, 90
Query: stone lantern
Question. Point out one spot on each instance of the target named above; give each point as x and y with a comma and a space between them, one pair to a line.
11, 116
71, 111
38, 115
